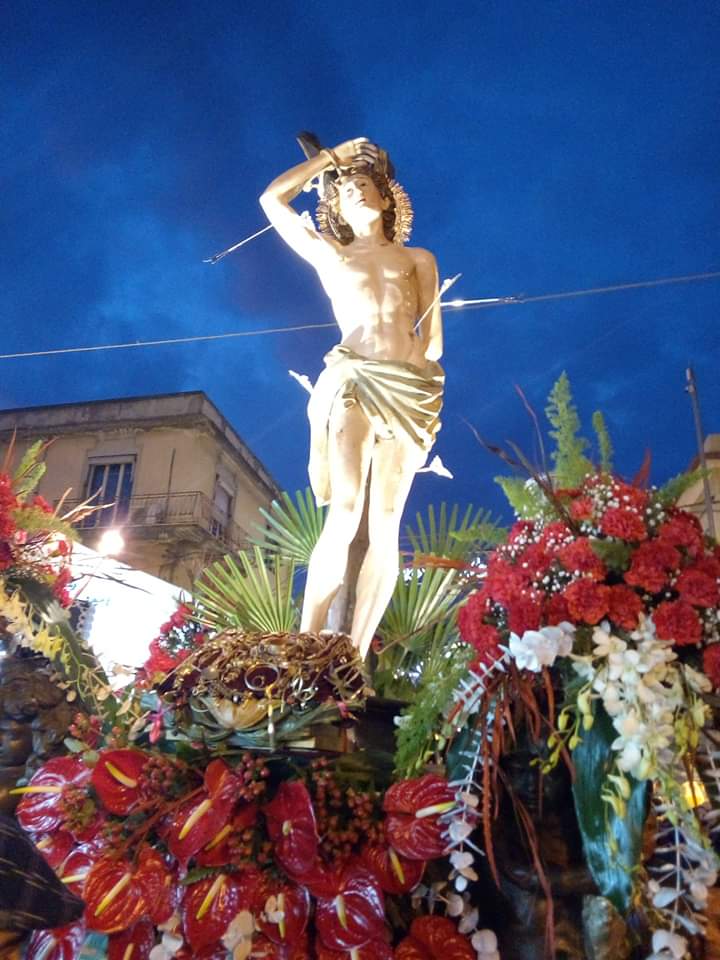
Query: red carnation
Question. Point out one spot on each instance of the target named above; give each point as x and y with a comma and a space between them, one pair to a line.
587, 600
711, 664
581, 508
677, 622
482, 636
503, 581
521, 530
683, 529
524, 614
554, 534
625, 607
556, 610
622, 523
579, 556
630, 496
650, 563
710, 564
698, 588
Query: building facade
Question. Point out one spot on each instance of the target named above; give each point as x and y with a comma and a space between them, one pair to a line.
695, 500
170, 473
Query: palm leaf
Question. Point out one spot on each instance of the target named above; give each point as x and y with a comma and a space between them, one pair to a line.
447, 534
243, 591
292, 527
421, 599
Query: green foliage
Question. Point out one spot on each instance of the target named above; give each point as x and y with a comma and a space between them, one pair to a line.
449, 535
35, 520
243, 592
671, 491
614, 553
525, 497
612, 843
571, 464
72, 657
293, 527
30, 470
420, 732
605, 447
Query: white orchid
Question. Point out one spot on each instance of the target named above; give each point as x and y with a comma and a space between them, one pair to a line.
540, 648
667, 945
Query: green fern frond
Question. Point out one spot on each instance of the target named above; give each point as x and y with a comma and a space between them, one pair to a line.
30, 470
293, 527
525, 497
242, 591
571, 464
605, 447
671, 491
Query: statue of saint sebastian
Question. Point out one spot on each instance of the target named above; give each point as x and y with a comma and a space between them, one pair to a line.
374, 410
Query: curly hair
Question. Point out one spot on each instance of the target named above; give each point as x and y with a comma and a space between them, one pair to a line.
341, 230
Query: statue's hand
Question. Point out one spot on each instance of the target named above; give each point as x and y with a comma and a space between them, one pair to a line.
351, 151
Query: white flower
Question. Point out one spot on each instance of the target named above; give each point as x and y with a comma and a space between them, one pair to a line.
668, 945
540, 648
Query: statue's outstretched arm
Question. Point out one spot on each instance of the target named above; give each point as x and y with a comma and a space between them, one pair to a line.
277, 198
430, 331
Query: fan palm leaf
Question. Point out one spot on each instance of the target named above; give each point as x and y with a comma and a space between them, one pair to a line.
449, 534
292, 527
244, 591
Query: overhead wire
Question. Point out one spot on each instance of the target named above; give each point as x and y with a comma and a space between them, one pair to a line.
486, 302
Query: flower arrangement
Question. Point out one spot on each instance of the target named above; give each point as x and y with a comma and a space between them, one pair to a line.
238, 857
596, 629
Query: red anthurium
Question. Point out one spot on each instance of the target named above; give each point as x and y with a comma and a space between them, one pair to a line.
196, 823
134, 943
41, 809
158, 883
322, 880
217, 852
285, 912
355, 914
264, 949
116, 779
292, 828
55, 846
76, 867
62, 943
395, 873
216, 951
208, 907
113, 899
413, 810
433, 938
375, 950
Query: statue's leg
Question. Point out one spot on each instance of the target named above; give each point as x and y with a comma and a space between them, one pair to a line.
394, 465
350, 444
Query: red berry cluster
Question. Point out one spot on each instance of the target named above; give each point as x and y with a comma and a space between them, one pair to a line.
346, 817
253, 773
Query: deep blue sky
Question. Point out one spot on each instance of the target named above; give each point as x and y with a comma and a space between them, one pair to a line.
547, 147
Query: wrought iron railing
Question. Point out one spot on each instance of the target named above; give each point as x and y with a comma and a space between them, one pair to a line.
190, 508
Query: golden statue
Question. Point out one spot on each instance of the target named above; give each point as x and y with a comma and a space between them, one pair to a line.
374, 410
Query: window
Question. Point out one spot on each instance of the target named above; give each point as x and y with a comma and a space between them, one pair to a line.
222, 508
109, 483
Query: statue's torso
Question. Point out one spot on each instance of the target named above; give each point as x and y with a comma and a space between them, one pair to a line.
374, 293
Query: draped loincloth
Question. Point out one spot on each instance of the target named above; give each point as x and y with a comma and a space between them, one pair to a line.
393, 395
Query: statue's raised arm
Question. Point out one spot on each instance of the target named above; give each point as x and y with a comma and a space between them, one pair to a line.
374, 411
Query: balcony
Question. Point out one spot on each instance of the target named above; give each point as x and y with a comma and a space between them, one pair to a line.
166, 516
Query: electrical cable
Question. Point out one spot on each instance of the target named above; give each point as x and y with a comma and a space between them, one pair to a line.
451, 304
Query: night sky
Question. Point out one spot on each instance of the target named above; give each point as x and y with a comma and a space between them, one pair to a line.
546, 146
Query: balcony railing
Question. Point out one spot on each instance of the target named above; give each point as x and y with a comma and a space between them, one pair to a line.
168, 510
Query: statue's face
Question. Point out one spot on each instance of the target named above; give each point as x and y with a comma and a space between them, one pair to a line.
359, 200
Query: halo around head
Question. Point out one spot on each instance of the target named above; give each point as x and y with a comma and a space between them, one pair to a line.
373, 162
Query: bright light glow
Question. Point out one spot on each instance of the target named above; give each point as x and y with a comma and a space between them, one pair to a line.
111, 543
455, 303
